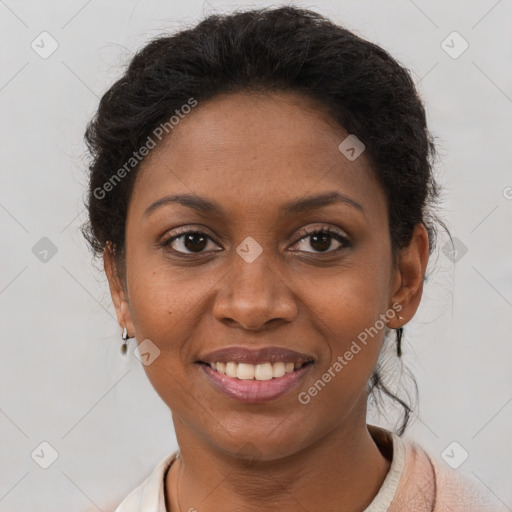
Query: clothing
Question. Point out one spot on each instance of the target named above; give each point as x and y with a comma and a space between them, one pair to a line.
415, 483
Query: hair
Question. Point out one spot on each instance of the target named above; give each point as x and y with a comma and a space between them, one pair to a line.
359, 84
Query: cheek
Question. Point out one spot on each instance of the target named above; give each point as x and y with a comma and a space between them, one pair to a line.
348, 322
347, 311
344, 303
166, 306
165, 299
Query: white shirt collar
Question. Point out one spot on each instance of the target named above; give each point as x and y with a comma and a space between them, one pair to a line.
389, 487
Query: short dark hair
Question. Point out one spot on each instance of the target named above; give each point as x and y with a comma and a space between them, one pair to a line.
358, 83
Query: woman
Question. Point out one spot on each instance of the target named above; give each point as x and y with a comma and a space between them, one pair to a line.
261, 192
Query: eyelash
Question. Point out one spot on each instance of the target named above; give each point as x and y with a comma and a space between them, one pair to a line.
304, 234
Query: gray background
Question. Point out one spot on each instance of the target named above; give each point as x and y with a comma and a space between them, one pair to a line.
62, 378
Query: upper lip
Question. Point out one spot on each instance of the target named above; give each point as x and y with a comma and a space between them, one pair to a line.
261, 355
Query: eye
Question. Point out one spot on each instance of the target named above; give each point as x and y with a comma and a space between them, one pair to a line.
321, 240
188, 241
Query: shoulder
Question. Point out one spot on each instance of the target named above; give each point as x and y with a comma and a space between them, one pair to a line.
427, 481
149, 495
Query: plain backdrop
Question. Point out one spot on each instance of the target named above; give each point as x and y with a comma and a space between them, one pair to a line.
63, 380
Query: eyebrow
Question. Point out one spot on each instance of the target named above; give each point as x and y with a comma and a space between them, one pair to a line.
294, 207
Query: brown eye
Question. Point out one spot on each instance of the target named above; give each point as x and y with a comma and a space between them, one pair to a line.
321, 240
188, 242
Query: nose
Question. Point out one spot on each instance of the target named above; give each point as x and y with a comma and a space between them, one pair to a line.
254, 294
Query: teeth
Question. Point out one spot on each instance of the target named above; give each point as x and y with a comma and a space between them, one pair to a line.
278, 369
264, 371
231, 369
245, 371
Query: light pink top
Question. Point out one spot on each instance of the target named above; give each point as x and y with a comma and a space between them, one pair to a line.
415, 482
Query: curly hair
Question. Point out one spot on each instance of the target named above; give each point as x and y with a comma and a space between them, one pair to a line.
365, 90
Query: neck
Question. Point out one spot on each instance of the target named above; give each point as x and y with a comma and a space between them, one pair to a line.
342, 471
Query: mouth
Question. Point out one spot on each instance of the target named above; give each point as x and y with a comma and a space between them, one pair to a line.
255, 376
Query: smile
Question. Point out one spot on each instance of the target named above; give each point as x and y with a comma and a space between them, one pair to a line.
254, 375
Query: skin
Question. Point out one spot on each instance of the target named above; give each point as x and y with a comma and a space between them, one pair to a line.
251, 153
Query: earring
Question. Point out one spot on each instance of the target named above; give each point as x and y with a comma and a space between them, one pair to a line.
399, 334
125, 337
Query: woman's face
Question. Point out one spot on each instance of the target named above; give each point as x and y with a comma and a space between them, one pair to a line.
256, 277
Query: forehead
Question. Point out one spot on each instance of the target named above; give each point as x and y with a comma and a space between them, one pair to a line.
249, 150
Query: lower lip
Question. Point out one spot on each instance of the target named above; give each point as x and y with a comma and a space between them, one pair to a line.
255, 391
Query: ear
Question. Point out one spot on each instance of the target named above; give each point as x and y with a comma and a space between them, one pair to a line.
118, 291
409, 277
